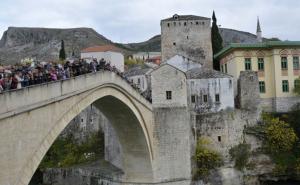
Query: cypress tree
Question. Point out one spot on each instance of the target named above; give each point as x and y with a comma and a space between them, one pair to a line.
62, 53
217, 41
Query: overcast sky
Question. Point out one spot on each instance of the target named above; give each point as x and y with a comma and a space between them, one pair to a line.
138, 20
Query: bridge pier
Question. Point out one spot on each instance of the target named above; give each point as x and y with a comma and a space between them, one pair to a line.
172, 161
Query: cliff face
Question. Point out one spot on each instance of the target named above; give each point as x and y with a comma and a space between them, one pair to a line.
44, 43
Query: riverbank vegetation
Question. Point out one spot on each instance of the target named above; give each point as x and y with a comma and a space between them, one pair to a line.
206, 159
280, 134
66, 152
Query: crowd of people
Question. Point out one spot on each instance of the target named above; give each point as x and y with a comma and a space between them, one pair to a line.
23, 75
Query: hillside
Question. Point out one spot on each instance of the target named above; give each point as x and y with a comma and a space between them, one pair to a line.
152, 44
228, 35
44, 43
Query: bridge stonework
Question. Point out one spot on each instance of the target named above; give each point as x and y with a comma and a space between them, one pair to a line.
33, 117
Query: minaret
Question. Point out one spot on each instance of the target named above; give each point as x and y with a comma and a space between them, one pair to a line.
258, 31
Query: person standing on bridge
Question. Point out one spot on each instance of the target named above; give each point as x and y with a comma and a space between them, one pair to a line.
1, 83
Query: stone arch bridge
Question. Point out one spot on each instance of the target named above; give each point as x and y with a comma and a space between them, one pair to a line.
31, 118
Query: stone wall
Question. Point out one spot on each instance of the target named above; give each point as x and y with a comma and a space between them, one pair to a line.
268, 104
192, 41
89, 176
285, 104
172, 134
279, 104
168, 78
223, 129
248, 90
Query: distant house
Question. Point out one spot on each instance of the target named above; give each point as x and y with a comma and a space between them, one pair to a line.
155, 60
109, 53
145, 55
140, 77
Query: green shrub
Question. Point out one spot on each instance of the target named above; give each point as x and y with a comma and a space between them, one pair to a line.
206, 159
280, 137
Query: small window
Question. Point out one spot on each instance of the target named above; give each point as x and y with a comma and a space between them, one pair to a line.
191, 23
222, 68
296, 63
168, 24
284, 63
197, 22
217, 96
139, 81
285, 86
169, 95
261, 64
225, 68
297, 84
219, 138
174, 43
205, 99
193, 98
187, 37
262, 87
81, 120
184, 23
91, 120
247, 64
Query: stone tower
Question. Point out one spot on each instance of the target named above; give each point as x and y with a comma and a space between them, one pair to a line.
189, 36
258, 32
248, 91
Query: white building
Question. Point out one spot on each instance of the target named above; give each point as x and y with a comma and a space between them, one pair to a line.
145, 55
109, 53
140, 77
181, 82
209, 90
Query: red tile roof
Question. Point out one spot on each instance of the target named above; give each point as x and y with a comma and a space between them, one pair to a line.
103, 48
155, 58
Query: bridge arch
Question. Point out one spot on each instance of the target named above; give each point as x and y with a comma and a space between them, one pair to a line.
130, 118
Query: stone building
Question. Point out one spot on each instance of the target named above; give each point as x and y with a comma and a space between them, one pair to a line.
168, 82
187, 35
